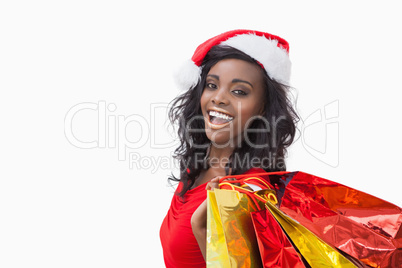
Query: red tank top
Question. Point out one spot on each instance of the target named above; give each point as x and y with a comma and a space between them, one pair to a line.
180, 248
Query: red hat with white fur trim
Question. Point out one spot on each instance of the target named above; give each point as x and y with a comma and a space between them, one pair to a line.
270, 51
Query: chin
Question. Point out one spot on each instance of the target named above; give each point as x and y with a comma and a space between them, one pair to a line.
220, 139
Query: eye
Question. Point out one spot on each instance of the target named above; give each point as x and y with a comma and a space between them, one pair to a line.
211, 85
239, 92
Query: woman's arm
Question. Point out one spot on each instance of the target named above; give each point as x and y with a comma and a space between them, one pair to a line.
199, 226
199, 219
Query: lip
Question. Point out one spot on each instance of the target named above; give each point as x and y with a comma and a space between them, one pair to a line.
214, 126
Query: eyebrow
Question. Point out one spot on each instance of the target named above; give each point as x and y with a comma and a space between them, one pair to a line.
236, 80
241, 81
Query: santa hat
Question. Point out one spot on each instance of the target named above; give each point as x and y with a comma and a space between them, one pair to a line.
270, 51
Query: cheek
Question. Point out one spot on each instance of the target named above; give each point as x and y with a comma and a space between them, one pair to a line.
248, 112
246, 117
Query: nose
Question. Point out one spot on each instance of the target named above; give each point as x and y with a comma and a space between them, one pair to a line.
220, 97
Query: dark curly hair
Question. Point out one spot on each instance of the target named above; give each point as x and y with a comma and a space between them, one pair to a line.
274, 140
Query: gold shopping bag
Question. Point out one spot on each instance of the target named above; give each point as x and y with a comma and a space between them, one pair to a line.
231, 240
217, 252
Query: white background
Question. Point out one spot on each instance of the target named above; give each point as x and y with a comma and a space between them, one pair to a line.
65, 206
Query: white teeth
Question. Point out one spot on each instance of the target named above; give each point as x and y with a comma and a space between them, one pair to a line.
220, 115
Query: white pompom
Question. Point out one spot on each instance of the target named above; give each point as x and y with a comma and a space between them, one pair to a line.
187, 75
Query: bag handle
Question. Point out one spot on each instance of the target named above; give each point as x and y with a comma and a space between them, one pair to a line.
262, 196
255, 174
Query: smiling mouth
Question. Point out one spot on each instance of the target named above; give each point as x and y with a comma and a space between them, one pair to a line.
218, 120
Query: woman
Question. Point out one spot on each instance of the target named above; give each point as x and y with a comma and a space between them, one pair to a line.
235, 117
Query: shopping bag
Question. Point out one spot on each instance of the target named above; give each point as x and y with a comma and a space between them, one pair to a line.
231, 240
275, 247
358, 224
217, 252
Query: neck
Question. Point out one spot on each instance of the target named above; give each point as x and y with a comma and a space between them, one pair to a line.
218, 157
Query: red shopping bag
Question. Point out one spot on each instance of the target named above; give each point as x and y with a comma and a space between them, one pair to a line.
275, 247
361, 225
364, 228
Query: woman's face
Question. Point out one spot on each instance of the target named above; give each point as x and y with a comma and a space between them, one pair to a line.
233, 96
